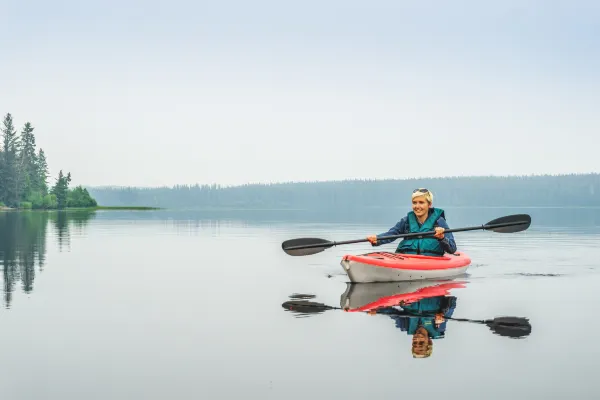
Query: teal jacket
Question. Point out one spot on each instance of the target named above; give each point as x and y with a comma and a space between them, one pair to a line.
408, 320
425, 246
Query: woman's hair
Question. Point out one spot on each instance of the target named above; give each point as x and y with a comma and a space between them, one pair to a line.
423, 192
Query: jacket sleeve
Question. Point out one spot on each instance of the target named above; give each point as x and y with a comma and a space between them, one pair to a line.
397, 229
447, 243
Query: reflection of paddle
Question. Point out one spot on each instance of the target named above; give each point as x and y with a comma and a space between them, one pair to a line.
308, 246
504, 326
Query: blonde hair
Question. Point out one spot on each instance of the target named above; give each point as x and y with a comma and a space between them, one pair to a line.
428, 195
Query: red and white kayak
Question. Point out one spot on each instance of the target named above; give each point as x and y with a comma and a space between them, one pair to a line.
394, 267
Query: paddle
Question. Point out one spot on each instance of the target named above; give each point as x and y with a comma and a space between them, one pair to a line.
308, 246
514, 327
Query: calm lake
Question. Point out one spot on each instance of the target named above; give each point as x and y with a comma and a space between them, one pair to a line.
188, 305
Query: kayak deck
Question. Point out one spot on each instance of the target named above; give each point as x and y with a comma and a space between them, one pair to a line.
393, 267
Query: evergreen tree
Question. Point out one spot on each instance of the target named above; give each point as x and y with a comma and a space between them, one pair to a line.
10, 184
42, 172
61, 189
1, 177
28, 181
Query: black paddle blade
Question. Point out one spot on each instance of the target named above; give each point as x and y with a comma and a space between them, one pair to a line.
514, 327
305, 307
305, 246
511, 219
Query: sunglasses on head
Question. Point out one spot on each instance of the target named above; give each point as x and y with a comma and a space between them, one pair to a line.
421, 190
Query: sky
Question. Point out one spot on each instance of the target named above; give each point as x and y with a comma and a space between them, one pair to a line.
148, 93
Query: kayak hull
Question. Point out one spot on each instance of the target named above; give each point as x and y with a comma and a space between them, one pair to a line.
371, 296
393, 267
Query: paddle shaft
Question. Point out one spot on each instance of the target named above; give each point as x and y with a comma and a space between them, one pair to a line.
408, 235
404, 313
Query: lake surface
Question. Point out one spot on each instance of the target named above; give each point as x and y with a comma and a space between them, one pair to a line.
188, 305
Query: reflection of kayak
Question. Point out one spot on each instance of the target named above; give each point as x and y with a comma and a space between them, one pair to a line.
370, 296
393, 267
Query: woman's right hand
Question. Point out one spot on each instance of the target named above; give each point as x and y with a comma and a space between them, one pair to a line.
372, 239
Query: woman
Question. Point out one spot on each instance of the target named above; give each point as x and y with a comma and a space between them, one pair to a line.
423, 218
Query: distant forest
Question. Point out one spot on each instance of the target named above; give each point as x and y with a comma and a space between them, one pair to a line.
24, 174
575, 190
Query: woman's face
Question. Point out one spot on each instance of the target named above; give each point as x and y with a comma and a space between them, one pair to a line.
421, 341
420, 206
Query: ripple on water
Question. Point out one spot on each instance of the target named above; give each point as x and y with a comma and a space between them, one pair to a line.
301, 296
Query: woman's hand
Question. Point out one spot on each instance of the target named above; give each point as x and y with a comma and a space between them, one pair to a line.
372, 239
439, 319
439, 233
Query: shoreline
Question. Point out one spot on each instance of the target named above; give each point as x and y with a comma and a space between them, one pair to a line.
107, 208
130, 208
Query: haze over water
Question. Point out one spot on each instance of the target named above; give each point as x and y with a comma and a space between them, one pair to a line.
188, 305
209, 94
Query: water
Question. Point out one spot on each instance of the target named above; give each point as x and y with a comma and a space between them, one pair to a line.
188, 305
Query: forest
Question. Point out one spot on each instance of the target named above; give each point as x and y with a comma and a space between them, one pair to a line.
24, 174
572, 190
24, 184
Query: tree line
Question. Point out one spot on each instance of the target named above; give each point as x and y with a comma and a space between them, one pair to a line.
24, 174
571, 190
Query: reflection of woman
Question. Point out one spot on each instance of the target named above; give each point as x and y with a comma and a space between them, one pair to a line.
424, 328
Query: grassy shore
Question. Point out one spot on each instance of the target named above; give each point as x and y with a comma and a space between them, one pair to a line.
132, 208
123, 208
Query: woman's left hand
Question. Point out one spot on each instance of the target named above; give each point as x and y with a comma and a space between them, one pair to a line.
439, 233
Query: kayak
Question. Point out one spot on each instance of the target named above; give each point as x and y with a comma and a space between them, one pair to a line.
372, 296
394, 267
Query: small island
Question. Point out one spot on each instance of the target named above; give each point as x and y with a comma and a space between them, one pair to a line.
24, 176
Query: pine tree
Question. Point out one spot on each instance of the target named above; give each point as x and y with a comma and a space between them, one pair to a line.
42, 172
1, 177
61, 189
10, 171
28, 181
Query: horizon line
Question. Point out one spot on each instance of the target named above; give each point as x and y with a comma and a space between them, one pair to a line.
348, 180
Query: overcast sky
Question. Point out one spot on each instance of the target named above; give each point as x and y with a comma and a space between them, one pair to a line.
158, 93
